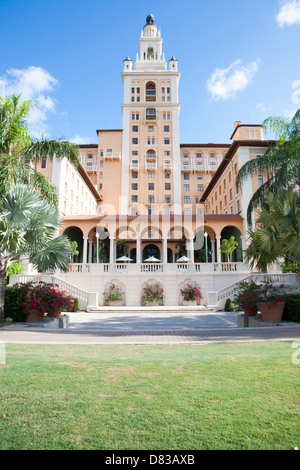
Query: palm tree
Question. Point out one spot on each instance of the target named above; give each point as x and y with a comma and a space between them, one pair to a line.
228, 247
280, 163
277, 233
28, 227
19, 152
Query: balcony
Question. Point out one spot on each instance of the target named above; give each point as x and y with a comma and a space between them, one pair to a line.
150, 165
167, 165
187, 166
112, 155
134, 165
89, 166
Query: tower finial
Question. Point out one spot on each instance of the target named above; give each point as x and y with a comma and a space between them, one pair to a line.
150, 19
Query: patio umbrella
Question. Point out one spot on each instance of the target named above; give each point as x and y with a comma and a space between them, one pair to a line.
152, 260
124, 258
183, 259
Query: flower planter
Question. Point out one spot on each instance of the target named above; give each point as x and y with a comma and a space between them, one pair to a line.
152, 304
271, 312
33, 317
114, 303
189, 303
251, 312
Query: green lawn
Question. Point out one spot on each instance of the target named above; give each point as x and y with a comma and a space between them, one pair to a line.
233, 396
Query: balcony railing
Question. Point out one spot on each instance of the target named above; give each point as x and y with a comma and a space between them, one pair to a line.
150, 165
112, 155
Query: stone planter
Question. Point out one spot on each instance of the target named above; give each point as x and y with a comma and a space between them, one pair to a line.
189, 303
152, 304
114, 303
271, 312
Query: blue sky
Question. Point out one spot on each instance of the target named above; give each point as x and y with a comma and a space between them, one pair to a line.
239, 61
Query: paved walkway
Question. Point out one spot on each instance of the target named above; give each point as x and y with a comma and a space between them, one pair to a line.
149, 328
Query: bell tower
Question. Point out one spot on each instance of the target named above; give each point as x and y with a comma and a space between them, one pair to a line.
151, 165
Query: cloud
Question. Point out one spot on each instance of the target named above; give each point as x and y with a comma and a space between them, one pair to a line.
81, 140
226, 83
289, 13
33, 83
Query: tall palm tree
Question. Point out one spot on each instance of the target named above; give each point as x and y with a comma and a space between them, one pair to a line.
280, 163
277, 232
228, 247
19, 152
28, 227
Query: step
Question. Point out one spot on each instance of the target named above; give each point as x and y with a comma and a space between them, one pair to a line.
176, 310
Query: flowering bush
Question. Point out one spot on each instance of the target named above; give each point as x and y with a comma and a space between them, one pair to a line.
248, 295
191, 293
46, 299
113, 293
153, 293
251, 294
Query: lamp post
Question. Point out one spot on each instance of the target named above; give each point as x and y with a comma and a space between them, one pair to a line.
97, 246
206, 254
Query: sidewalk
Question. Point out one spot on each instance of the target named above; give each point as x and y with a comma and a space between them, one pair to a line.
149, 328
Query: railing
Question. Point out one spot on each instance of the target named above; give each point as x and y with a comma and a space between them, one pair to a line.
112, 155
135, 268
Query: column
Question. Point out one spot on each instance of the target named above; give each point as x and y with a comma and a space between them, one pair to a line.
111, 250
213, 252
84, 255
191, 248
218, 249
165, 250
90, 251
138, 251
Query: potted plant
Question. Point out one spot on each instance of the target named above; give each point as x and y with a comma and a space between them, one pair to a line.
271, 302
44, 300
113, 296
191, 295
152, 295
247, 298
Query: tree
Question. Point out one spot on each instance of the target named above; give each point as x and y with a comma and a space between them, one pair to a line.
228, 247
277, 232
19, 153
280, 163
28, 227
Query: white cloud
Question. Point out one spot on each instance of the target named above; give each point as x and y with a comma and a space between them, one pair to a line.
33, 83
289, 13
226, 83
81, 140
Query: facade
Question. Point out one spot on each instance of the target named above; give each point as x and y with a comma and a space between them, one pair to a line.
142, 193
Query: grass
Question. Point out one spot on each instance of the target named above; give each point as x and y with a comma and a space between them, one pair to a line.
173, 397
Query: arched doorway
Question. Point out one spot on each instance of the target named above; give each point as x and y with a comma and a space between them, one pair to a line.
151, 250
237, 255
75, 234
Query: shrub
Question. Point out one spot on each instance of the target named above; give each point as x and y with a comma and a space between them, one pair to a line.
191, 293
44, 298
228, 306
292, 307
113, 294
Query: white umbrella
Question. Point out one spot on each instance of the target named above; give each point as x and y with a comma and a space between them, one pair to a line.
124, 258
152, 260
183, 259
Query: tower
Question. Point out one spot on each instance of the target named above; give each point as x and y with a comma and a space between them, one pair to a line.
151, 142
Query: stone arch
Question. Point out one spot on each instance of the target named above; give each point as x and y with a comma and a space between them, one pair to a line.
226, 233
151, 249
150, 282
75, 233
119, 285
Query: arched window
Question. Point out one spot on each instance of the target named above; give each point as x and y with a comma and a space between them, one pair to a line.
150, 114
150, 91
150, 53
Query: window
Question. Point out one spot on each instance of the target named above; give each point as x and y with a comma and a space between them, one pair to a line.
212, 155
185, 155
186, 188
137, 116
134, 198
260, 181
166, 141
199, 176
168, 90
196, 199
150, 114
150, 128
186, 176
238, 206
133, 116
134, 153
225, 200
229, 177
187, 199
198, 155
151, 199
150, 88
100, 186
135, 128
167, 186
150, 234
167, 175
137, 90
44, 160
151, 186
151, 210
200, 188
101, 176
134, 186
167, 153
166, 128
132, 90
187, 211
135, 141
101, 164
168, 199
151, 175
134, 174
230, 194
